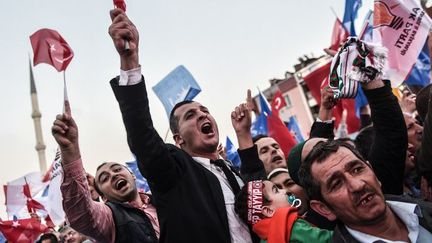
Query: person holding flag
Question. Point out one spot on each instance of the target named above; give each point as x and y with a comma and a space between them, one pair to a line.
126, 215
193, 187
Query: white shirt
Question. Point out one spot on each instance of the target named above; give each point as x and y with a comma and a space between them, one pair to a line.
238, 230
408, 213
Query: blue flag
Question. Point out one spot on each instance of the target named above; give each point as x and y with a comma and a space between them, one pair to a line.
177, 86
259, 126
140, 182
294, 127
351, 10
420, 72
2, 238
232, 154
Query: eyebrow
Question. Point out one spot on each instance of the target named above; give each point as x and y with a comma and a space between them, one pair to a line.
337, 174
103, 172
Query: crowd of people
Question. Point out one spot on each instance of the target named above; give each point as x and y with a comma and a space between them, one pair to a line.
376, 187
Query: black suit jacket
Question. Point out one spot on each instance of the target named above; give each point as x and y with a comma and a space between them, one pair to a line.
187, 196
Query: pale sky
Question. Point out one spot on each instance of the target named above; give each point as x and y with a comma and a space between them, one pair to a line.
227, 45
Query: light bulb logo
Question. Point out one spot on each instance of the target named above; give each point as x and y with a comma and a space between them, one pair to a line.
383, 16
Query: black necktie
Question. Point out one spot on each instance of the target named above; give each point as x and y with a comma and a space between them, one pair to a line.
228, 173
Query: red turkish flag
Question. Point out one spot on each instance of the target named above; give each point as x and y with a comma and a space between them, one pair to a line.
49, 47
120, 4
339, 34
22, 230
278, 103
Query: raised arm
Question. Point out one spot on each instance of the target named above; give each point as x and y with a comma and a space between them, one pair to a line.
252, 168
84, 215
323, 127
388, 151
154, 159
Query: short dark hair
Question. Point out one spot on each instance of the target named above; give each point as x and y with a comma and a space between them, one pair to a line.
173, 120
241, 203
321, 151
48, 236
96, 187
258, 137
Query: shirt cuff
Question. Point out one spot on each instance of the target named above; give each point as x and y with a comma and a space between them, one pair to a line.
130, 77
326, 121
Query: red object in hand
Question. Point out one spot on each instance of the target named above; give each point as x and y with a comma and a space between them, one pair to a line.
49, 47
120, 4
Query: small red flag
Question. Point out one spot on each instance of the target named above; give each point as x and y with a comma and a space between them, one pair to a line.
120, 4
49, 47
22, 230
278, 103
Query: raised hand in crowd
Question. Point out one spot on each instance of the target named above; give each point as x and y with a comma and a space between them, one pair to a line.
65, 132
408, 102
122, 30
241, 121
327, 104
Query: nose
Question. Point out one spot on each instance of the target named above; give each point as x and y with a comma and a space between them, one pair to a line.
355, 184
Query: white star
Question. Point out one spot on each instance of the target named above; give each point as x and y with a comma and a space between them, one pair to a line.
15, 224
52, 47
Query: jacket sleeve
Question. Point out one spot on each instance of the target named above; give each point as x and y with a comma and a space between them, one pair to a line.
155, 160
388, 151
424, 156
251, 168
322, 130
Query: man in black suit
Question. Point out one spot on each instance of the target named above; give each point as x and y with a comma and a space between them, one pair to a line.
192, 189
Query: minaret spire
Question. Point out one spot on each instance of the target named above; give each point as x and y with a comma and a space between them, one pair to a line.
36, 115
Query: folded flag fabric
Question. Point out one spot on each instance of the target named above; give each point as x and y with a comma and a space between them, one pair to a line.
177, 86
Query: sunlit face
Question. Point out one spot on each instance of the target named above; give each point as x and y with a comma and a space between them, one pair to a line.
277, 197
116, 182
270, 154
198, 131
71, 236
414, 130
284, 181
349, 188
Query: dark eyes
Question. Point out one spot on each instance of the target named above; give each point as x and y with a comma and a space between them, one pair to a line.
276, 146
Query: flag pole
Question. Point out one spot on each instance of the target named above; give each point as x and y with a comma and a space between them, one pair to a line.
334, 12
65, 93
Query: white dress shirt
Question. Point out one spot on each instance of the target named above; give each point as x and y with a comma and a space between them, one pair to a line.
408, 213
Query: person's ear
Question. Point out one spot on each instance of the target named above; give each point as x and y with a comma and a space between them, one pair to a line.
322, 209
178, 139
267, 211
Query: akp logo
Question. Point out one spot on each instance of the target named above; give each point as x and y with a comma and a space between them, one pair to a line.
384, 17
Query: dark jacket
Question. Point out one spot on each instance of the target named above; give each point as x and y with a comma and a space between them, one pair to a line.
187, 196
341, 234
388, 150
424, 155
131, 224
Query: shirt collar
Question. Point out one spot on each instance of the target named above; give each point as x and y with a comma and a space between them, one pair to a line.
407, 212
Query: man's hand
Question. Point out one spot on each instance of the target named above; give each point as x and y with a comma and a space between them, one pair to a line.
327, 99
122, 30
65, 132
408, 102
241, 121
327, 103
